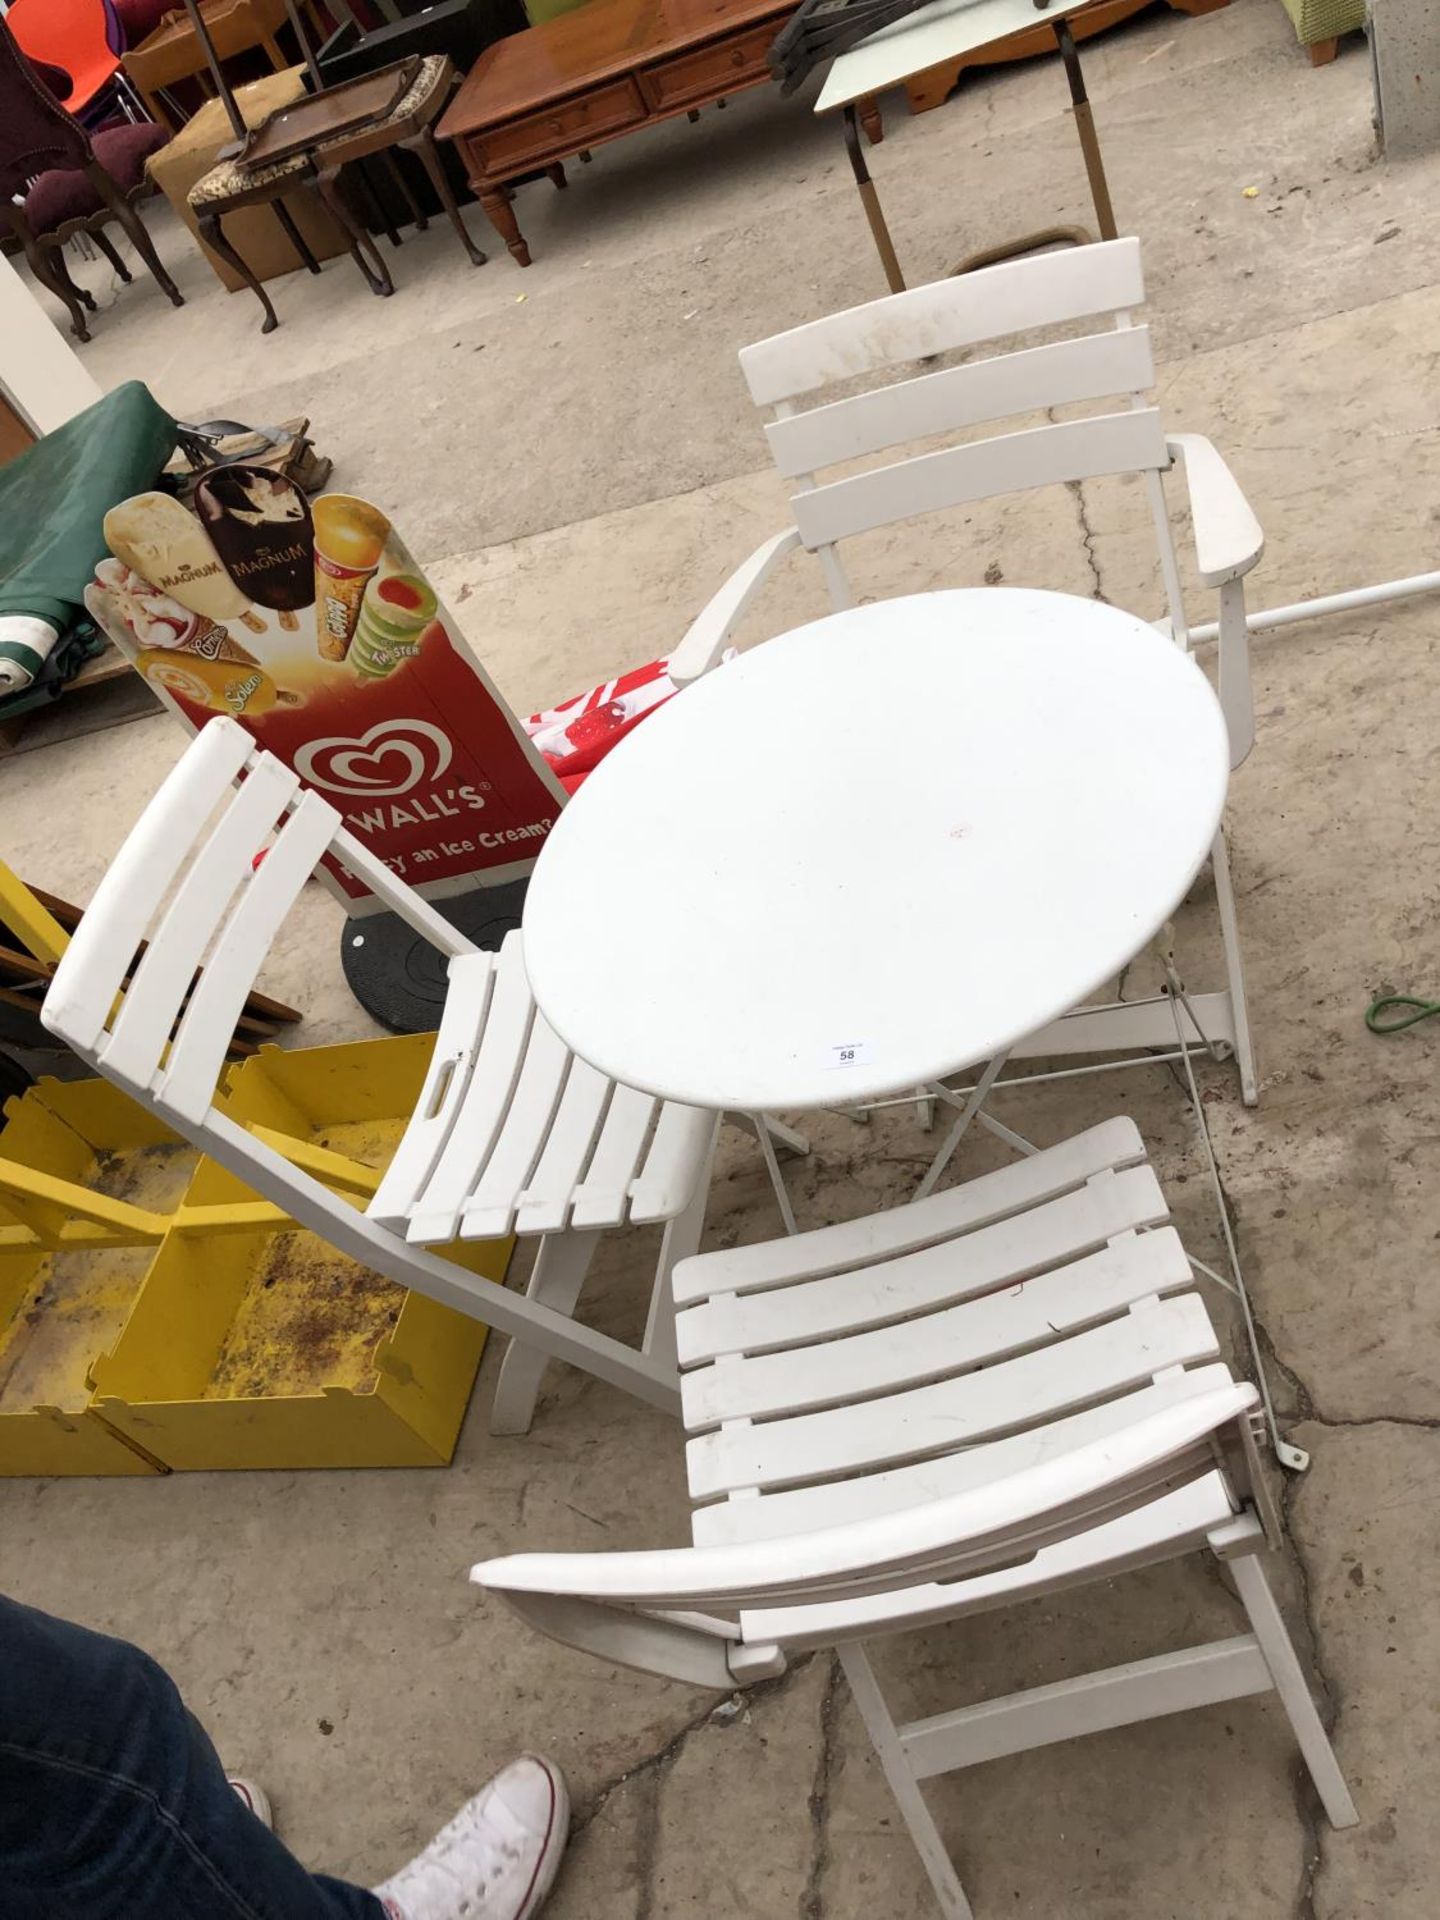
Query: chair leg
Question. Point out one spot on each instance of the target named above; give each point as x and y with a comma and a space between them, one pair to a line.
213, 235
112, 254
294, 236
44, 267
1235, 972
374, 269
1290, 1684
135, 230
423, 143
561, 1264
419, 219
949, 1894
82, 294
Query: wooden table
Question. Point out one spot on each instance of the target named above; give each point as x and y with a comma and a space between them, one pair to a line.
557, 90
173, 52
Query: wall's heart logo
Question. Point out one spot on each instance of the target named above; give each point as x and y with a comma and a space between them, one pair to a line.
392, 757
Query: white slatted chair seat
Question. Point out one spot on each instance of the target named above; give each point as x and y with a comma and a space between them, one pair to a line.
511, 1134
817, 433
1009, 1388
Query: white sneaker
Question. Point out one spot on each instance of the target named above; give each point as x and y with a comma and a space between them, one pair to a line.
496, 1859
255, 1798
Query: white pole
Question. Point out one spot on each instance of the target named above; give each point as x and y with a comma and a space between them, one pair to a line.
1329, 603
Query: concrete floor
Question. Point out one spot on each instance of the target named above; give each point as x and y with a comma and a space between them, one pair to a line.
571, 451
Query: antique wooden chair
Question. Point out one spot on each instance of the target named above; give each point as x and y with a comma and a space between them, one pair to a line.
69, 181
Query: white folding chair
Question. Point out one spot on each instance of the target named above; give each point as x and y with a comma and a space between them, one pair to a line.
995, 1393
1048, 292
511, 1133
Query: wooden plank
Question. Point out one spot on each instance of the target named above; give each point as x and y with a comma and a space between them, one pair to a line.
880, 1236
489, 1212
1070, 450
159, 987
447, 1079
1007, 1253
961, 311
953, 1413
1087, 1703
188, 1084
976, 1333
834, 1503
476, 1128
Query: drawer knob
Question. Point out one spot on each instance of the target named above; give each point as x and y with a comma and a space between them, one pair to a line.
555, 127
737, 58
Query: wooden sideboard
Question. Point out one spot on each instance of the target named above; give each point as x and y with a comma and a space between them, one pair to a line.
557, 90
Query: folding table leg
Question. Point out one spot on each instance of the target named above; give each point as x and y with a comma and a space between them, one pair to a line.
1234, 970
961, 1125
561, 1264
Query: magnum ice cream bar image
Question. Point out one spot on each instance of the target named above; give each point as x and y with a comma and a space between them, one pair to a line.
259, 524
156, 537
350, 537
395, 612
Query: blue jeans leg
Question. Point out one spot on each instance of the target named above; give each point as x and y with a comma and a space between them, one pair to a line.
113, 1803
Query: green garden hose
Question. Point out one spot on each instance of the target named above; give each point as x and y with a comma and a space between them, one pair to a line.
1415, 1011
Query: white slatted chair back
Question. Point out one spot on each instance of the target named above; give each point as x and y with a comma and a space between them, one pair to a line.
155, 977
1102, 282
203, 885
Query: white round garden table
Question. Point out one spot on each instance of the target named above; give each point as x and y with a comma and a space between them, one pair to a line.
876, 850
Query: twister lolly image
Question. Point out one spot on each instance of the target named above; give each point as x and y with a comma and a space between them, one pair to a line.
260, 525
396, 610
165, 544
350, 537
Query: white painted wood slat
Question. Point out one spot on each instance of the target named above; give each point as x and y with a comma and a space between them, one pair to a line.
187, 1084
880, 1236
487, 1099
602, 1198
462, 1021
489, 1212
953, 1413
1086, 1703
221, 865
545, 1203
1176, 1522
834, 1503
129, 894
674, 1163
945, 1344
1070, 450
998, 1255
986, 305
1056, 374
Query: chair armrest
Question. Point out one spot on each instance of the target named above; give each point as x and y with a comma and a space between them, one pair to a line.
710, 630
1228, 537
943, 1539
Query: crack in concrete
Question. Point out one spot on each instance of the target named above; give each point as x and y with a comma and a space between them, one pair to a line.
1087, 536
658, 1763
811, 1900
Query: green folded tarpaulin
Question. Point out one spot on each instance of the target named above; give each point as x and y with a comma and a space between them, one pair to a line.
55, 495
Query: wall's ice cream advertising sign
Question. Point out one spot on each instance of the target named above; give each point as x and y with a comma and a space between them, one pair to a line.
313, 626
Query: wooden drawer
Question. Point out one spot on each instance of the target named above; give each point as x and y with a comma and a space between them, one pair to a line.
555, 131
708, 71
